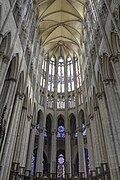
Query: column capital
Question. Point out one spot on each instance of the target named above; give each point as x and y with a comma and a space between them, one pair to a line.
115, 59
67, 131
53, 131
12, 79
108, 81
41, 130
29, 117
24, 107
88, 125
96, 108
100, 95
79, 129
5, 59
32, 125
91, 117
20, 96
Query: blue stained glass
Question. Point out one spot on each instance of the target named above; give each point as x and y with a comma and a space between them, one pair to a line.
61, 132
37, 130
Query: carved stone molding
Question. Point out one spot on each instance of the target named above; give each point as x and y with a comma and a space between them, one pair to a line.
96, 108
6, 59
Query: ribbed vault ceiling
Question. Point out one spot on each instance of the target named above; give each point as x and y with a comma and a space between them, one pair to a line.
60, 25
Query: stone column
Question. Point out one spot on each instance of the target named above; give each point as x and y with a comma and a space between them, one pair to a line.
68, 154
18, 144
30, 150
15, 168
81, 153
54, 130
114, 111
116, 67
100, 138
95, 141
11, 138
53, 155
67, 127
24, 145
90, 147
100, 142
109, 139
39, 163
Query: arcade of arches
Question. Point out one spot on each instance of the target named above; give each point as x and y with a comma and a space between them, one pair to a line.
59, 89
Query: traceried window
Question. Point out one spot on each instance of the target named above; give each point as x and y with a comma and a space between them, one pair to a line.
78, 72
71, 101
50, 101
43, 75
33, 164
61, 132
51, 74
61, 83
61, 166
70, 74
61, 102
80, 98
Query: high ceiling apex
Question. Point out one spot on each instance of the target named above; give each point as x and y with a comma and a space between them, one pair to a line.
60, 25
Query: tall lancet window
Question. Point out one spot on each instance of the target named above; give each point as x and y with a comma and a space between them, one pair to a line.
61, 84
51, 74
43, 73
70, 74
78, 72
61, 166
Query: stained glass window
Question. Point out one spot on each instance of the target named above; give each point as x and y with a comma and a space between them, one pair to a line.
51, 78
43, 74
61, 132
61, 83
61, 166
60, 102
70, 74
50, 101
33, 164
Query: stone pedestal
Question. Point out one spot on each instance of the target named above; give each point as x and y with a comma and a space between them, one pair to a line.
105, 171
22, 173
98, 173
93, 175
14, 170
82, 175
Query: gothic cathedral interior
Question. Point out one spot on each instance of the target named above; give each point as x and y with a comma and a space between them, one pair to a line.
60, 89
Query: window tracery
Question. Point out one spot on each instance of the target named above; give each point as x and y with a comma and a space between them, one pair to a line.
71, 101
43, 73
61, 166
61, 131
70, 74
50, 101
61, 83
51, 79
61, 102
